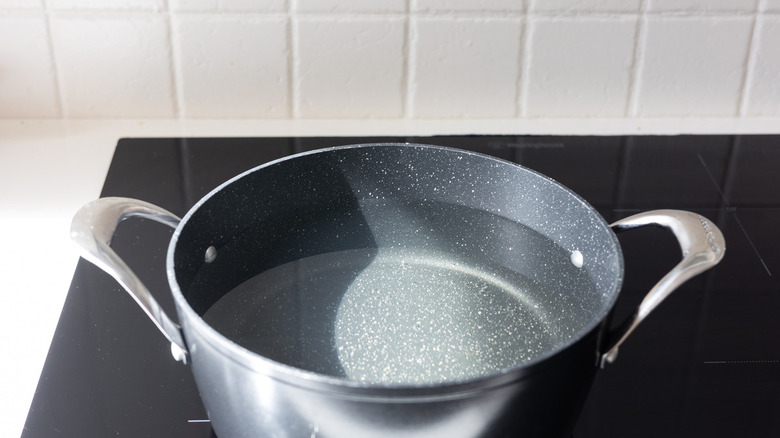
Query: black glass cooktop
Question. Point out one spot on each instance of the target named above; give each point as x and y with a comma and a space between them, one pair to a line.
705, 363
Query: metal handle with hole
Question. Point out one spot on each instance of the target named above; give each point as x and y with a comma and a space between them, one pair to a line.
702, 246
92, 230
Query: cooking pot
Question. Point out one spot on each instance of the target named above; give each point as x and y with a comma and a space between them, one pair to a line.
393, 290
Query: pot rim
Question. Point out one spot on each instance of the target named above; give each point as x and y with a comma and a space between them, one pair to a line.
299, 377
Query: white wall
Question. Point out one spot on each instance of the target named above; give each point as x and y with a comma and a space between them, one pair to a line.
389, 59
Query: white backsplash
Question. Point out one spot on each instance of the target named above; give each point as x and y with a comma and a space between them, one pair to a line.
389, 59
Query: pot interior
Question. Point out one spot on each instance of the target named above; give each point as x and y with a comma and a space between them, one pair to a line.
397, 264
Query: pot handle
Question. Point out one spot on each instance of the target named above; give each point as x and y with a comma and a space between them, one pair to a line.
702, 246
92, 230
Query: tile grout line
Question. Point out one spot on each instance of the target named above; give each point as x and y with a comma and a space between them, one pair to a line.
750, 60
524, 73
174, 63
410, 62
520, 63
293, 89
59, 94
637, 63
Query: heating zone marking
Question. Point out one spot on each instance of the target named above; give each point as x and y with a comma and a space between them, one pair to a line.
733, 213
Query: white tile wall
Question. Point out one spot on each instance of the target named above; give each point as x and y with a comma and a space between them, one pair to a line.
585, 5
468, 5
114, 66
579, 67
253, 5
21, 4
193, 5
389, 58
703, 5
763, 94
153, 5
249, 81
693, 66
772, 5
362, 6
271, 6
350, 68
27, 84
464, 67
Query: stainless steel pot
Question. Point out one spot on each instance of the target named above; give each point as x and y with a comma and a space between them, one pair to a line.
393, 290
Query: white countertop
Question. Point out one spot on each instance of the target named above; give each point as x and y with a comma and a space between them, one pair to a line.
48, 169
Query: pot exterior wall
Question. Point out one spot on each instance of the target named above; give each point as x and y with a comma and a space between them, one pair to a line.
543, 401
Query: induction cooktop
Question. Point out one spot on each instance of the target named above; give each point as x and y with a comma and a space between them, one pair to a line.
705, 363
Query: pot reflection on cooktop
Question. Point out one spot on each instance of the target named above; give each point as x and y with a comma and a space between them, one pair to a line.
705, 363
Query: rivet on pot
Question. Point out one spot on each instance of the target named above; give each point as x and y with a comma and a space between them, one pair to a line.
211, 254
